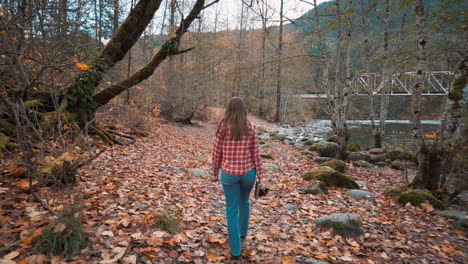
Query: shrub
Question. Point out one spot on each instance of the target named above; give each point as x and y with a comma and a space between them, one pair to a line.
167, 222
65, 235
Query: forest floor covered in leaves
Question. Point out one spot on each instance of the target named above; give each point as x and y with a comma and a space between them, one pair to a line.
124, 190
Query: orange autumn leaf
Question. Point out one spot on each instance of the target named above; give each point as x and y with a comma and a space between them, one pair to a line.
81, 65
288, 260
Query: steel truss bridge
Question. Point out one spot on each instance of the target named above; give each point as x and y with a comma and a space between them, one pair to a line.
436, 83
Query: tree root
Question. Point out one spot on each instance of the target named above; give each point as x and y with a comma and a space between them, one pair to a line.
109, 136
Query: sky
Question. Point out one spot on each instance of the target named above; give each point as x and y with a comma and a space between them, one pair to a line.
292, 10
229, 12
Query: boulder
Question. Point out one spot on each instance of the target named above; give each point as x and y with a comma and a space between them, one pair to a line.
358, 156
374, 158
309, 142
320, 160
377, 151
361, 163
264, 136
393, 191
315, 261
461, 198
400, 154
455, 215
345, 225
461, 219
199, 172
274, 166
291, 207
280, 137
416, 197
337, 165
362, 184
334, 139
381, 164
398, 165
353, 147
362, 195
330, 177
327, 149
316, 187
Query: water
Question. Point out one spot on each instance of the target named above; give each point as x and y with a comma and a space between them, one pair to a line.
397, 132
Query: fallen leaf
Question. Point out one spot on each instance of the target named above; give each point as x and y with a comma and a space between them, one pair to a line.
288, 260
11, 255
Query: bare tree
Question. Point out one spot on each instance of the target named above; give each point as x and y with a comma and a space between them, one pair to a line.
278, 70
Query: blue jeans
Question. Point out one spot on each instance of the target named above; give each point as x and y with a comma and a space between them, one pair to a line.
237, 190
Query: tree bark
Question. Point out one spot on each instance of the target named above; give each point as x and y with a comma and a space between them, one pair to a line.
421, 180
79, 94
278, 71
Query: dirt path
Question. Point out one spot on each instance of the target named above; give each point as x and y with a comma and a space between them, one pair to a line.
124, 190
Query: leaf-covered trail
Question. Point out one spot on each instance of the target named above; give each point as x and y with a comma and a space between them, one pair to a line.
125, 188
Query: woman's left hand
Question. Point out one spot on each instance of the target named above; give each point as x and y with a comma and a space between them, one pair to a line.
214, 178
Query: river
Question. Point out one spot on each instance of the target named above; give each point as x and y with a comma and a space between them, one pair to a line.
397, 132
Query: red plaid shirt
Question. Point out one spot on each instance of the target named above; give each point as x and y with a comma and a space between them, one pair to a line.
236, 156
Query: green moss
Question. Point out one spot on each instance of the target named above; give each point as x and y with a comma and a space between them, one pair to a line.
417, 197
338, 226
334, 139
353, 147
313, 148
32, 103
266, 156
3, 140
331, 178
356, 222
338, 165
397, 165
393, 191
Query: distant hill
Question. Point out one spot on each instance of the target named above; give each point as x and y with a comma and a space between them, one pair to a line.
444, 29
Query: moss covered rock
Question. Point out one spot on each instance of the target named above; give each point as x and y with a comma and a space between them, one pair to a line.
266, 156
361, 163
400, 154
393, 191
374, 158
377, 151
327, 149
334, 138
337, 165
330, 177
353, 147
317, 187
398, 165
358, 156
417, 197
345, 225
381, 164
320, 160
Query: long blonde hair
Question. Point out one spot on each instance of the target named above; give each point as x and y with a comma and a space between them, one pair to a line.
235, 118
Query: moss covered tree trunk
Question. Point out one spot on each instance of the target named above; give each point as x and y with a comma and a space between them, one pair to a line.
436, 160
82, 97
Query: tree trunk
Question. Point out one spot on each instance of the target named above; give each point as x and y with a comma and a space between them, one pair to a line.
278, 71
343, 106
170, 47
80, 94
421, 180
379, 131
336, 93
116, 15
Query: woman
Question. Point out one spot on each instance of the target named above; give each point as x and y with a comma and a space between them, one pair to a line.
236, 153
